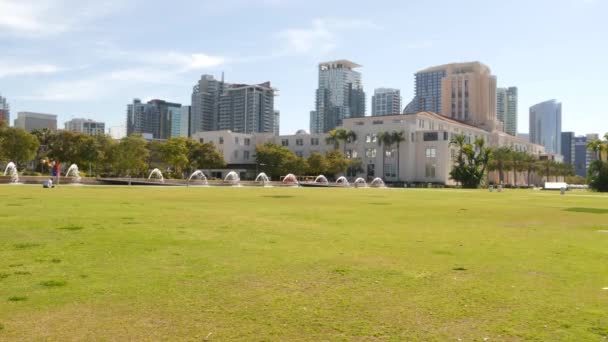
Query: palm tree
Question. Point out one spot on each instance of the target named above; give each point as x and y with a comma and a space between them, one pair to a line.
348, 137
398, 138
529, 164
385, 140
501, 161
334, 137
596, 147
517, 164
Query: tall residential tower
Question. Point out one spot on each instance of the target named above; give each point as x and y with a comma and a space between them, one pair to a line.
386, 101
340, 95
506, 109
5, 110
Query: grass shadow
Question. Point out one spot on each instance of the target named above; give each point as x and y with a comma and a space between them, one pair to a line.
588, 210
25, 245
71, 227
53, 283
279, 196
17, 299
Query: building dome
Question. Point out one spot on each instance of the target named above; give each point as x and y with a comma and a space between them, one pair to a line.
301, 132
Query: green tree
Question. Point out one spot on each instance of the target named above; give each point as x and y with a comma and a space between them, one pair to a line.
398, 138
471, 162
130, 156
105, 145
317, 164
17, 145
174, 152
385, 139
518, 164
337, 163
204, 156
529, 165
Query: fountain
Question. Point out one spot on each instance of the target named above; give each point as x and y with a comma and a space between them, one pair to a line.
262, 177
233, 178
290, 179
378, 183
156, 175
360, 183
74, 173
11, 170
343, 181
321, 180
200, 177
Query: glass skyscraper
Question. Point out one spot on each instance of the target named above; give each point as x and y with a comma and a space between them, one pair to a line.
428, 92
506, 109
339, 95
546, 125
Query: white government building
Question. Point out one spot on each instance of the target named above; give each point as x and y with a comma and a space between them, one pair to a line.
425, 156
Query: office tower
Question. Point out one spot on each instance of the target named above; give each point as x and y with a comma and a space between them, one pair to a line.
567, 141
277, 122
506, 109
204, 115
180, 121
340, 95
386, 101
5, 111
154, 118
30, 121
85, 126
462, 91
247, 108
546, 125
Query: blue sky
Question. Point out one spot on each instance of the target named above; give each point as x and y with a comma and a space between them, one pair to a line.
90, 58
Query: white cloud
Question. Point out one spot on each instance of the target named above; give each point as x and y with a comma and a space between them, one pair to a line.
322, 36
37, 18
8, 69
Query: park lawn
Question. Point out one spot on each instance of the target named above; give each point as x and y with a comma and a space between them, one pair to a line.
120, 263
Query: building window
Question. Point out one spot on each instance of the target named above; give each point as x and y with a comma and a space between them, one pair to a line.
429, 171
445, 135
246, 155
285, 142
300, 154
247, 141
390, 170
431, 152
201, 140
236, 140
359, 123
355, 154
299, 142
374, 138
314, 141
236, 154
370, 153
413, 137
430, 136
368, 138
221, 141
390, 153
377, 122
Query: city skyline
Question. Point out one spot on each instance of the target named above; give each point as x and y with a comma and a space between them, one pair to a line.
110, 64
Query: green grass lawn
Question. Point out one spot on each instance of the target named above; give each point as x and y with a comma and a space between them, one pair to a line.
111, 263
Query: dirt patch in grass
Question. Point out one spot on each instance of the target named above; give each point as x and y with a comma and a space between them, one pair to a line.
53, 283
71, 227
17, 299
55, 260
15, 265
25, 245
588, 210
23, 273
279, 196
459, 269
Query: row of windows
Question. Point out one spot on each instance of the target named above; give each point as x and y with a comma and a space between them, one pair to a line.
300, 142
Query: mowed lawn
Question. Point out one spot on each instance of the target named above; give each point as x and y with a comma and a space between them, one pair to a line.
225, 264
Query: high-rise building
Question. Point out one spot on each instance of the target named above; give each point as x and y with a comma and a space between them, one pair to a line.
118, 132
506, 109
546, 125
180, 121
575, 151
247, 108
85, 126
340, 95
30, 121
567, 140
462, 91
154, 118
205, 110
277, 122
5, 111
386, 101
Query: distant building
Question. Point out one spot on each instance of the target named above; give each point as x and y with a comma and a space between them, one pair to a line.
339, 95
546, 125
575, 151
154, 118
118, 132
277, 122
85, 126
247, 108
506, 109
180, 121
204, 115
217, 105
462, 91
386, 101
5, 111
524, 136
30, 121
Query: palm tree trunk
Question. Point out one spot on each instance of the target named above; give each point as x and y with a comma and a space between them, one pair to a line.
398, 150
